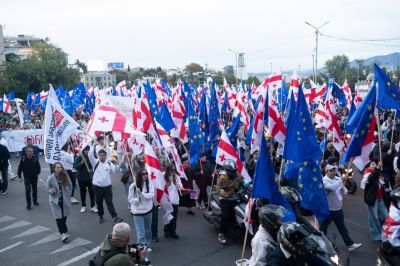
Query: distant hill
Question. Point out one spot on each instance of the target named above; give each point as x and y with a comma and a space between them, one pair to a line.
392, 59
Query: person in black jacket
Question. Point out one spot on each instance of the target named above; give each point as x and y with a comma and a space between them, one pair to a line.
84, 171
376, 198
203, 175
4, 157
30, 167
387, 162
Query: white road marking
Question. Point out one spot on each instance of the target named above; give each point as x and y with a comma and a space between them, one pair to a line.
73, 244
77, 258
6, 219
46, 239
10, 247
15, 225
34, 230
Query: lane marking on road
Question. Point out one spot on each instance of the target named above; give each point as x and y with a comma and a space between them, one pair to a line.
12, 246
73, 244
34, 230
361, 225
77, 258
15, 225
6, 219
46, 239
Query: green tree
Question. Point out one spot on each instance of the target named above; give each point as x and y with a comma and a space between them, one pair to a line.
252, 79
82, 66
337, 67
193, 68
47, 64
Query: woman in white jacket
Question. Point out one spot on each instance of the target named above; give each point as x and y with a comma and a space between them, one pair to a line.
140, 197
67, 160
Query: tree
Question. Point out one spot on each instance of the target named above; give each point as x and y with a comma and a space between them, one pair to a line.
254, 79
337, 67
82, 66
193, 68
47, 64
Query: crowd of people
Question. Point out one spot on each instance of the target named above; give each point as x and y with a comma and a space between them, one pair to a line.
275, 243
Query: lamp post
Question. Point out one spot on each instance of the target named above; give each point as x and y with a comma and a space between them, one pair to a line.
316, 45
236, 62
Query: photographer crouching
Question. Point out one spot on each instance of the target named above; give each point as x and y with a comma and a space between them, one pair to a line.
115, 250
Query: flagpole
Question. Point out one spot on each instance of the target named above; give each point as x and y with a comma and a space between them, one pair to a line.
244, 246
280, 174
212, 184
393, 129
379, 137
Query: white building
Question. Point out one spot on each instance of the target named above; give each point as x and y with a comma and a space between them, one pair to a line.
99, 79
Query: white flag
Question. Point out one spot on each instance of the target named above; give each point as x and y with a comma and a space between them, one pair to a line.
20, 114
58, 127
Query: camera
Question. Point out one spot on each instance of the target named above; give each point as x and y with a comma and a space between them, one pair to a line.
134, 251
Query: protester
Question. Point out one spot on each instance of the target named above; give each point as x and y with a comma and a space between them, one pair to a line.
187, 199
203, 176
102, 145
251, 165
102, 183
335, 190
4, 157
59, 187
141, 194
375, 198
129, 168
67, 160
11, 174
29, 143
228, 183
29, 166
174, 186
387, 162
84, 170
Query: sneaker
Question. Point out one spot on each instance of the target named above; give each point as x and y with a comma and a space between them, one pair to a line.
64, 237
354, 246
28, 207
101, 220
221, 239
116, 219
156, 239
36, 203
74, 201
4, 192
174, 235
93, 209
83, 209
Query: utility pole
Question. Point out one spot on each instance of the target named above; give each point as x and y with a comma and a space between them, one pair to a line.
313, 68
316, 44
236, 61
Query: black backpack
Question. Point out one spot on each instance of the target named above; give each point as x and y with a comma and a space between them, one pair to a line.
99, 260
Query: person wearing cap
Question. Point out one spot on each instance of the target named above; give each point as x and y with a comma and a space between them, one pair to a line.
335, 190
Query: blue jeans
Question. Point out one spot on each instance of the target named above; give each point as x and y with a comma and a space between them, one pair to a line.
143, 228
338, 218
376, 217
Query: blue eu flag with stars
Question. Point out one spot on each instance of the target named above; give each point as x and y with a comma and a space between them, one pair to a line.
388, 93
196, 137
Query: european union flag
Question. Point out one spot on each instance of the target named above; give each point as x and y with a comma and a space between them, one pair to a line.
232, 131
151, 97
351, 113
68, 104
337, 92
77, 101
301, 141
11, 96
388, 93
312, 190
37, 99
214, 116
291, 106
361, 122
29, 101
166, 87
60, 92
80, 90
281, 97
224, 108
196, 137
264, 184
165, 118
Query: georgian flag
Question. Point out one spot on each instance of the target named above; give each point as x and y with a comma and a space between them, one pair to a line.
178, 163
136, 144
294, 87
357, 97
241, 108
248, 222
226, 151
275, 81
321, 116
347, 93
121, 88
258, 130
333, 124
156, 176
177, 116
391, 227
166, 140
6, 105
315, 93
276, 127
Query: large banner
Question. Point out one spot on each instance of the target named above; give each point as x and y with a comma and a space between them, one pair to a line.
16, 139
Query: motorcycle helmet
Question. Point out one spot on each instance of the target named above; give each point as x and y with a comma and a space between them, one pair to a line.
291, 194
270, 216
395, 197
230, 168
290, 236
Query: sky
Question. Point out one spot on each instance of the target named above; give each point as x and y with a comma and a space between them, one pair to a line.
173, 33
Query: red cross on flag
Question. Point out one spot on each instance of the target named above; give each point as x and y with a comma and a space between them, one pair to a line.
226, 151
156, 176
315, 93
347, 92
136, 144
294, 87
6, 105
275, 81
258, 123
321, 116
179, 131
391, 228
333, 124
276, 127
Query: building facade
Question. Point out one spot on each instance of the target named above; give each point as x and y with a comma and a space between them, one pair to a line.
100, 79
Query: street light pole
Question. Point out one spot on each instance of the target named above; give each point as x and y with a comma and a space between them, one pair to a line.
316, 45
236, 61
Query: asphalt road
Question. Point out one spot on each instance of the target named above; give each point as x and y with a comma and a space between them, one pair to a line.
29, 237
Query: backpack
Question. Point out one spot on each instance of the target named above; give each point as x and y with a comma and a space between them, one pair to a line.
95, 167
99, 260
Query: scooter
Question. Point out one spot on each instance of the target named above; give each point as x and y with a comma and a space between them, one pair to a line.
213, 216
317, 242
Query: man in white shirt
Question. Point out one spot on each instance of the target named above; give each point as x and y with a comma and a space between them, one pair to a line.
102, 145
335, 189
102, 183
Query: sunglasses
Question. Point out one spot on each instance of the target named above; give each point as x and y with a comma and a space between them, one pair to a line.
144, 173
332, 170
